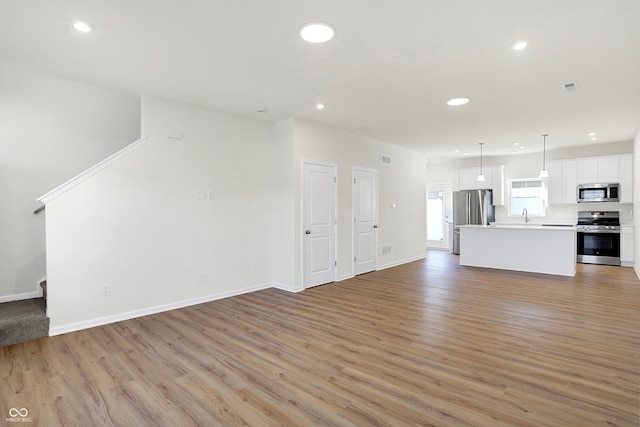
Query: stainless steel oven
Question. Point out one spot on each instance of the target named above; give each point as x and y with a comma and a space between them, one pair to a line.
598, 237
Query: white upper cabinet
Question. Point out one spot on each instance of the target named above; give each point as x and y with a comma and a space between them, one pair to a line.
562, 181
565, 175
588, 171
467, 179
625, 178
598, 169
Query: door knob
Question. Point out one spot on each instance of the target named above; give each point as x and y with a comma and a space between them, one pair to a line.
307, 231
375, 226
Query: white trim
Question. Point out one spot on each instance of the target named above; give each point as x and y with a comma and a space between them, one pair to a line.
92, 171
637, 270
19, 297
99, 321
345, 277
288, 288
406, 261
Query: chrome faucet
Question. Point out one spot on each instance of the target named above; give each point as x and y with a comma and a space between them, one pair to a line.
526, 215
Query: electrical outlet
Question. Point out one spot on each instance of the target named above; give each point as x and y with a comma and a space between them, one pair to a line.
106, 290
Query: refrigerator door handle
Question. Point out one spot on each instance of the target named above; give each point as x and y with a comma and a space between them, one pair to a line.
481, 203
468, 209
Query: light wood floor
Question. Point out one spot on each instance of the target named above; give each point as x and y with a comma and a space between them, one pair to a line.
427, 343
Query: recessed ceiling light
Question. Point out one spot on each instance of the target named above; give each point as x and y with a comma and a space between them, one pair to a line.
516, 143
522, 147
317, 32
457, 101
519, 45
320, 106
83, 27
261, 110
591, 134
466, 154
593, 138
456, 151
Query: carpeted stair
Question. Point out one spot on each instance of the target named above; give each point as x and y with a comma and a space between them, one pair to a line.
23, 320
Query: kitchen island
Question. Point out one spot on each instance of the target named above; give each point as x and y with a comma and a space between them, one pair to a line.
536, 248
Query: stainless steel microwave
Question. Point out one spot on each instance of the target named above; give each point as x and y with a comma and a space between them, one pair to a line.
589, 193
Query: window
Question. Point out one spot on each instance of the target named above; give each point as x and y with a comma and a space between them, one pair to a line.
529, 194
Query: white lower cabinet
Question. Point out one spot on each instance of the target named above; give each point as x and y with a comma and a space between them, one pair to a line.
626, 245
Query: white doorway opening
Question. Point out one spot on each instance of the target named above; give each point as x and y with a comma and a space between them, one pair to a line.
439, 207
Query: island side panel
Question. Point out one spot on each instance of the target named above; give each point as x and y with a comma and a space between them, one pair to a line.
539, 250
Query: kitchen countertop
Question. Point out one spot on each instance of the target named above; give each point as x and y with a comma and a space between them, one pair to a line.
567, 227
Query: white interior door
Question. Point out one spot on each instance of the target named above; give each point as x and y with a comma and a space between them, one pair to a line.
319, 219
439, 207
365, 220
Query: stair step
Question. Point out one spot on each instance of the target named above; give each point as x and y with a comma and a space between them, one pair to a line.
43, 285
23, 320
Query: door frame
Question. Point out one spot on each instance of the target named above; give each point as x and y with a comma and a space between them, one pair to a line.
353, 216
448, 211
334, 166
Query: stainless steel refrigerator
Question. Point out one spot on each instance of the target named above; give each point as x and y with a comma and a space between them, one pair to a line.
471, 207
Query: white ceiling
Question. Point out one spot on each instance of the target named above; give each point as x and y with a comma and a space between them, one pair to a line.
387, 74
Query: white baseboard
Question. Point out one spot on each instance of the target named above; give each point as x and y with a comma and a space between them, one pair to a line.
635, 268
405, 261
288, 288
72, 327
18, 297
27, 295
345, 277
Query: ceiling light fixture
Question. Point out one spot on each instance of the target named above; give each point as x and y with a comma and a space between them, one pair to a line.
481, 176
519, 45
320, 106
543, 172
593, 138
82, 26
457, 101
317, 32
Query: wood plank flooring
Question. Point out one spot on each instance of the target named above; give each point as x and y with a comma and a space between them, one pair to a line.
427, 343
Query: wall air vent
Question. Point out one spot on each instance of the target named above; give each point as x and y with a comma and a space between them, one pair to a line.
568, 87
386, 160
386, 250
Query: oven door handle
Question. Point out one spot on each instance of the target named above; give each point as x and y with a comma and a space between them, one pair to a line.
599, 231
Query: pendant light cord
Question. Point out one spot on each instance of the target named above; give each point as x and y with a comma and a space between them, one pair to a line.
544, 150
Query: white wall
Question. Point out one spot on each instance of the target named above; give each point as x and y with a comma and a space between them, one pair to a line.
216, 213
528, 165
636, 202
147, 227
403, 227
52, 129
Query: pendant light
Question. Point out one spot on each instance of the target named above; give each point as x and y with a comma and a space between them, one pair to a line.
481, 176
543, 171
